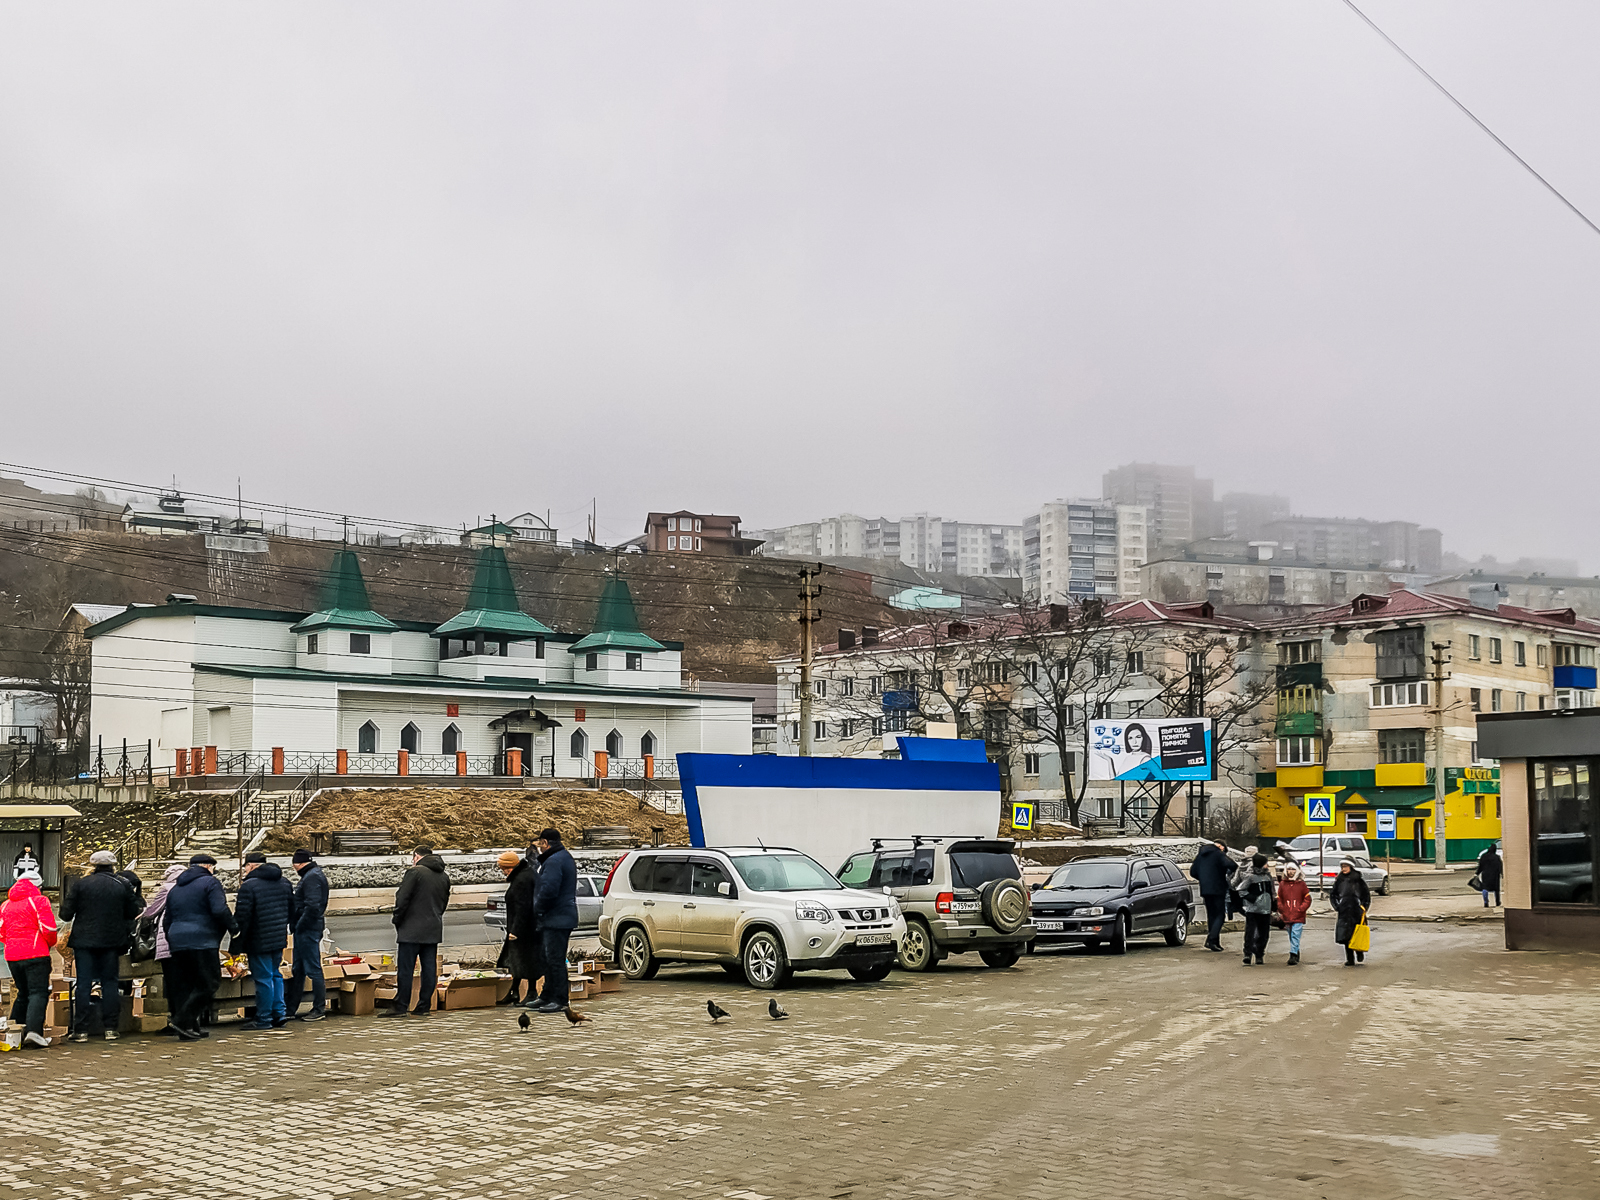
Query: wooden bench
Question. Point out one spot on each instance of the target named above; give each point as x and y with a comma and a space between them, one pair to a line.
364, 841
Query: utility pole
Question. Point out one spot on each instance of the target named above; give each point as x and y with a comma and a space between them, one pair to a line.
809, 616
1440, 659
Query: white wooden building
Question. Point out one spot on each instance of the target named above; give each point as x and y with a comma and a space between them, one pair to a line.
345, 678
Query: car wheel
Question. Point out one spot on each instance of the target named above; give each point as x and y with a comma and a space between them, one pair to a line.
872, 973
917, 950
1004, 905
765, 964
1119, 936
1179, 933
634, 956
1383, 888
1000, 957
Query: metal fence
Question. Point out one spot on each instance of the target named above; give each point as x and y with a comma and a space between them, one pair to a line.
326, 762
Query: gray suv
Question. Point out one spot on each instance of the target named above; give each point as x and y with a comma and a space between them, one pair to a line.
958, 894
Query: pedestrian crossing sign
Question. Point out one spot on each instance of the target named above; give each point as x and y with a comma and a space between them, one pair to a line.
1319, 808
1022, 815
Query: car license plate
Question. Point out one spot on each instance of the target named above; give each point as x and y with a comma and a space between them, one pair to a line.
874, 939
1049, 926
965, 906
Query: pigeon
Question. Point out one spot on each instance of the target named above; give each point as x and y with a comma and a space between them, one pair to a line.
775, 1011
522, 1020
716, 1013
574, 1017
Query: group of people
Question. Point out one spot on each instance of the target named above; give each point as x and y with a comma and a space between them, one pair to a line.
1250, 888
188, 917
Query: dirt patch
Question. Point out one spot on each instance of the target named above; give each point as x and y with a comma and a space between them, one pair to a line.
104, 825
474, 818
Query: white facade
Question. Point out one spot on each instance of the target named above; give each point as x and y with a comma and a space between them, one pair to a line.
1084, 549
185, 675
928, 543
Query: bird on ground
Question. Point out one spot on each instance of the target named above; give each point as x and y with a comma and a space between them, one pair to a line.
522, 1020
716, 1013
775, 1011
574, 1017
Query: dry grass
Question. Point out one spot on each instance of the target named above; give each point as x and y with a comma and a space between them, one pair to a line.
474, 818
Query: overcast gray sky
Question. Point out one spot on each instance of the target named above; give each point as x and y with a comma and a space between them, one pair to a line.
786, 260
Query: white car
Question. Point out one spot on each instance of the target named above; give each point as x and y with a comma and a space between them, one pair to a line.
1335, 846
761, 912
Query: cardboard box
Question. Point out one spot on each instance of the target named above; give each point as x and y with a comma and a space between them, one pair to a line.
470, 993
379, 960
357, 997
611, 981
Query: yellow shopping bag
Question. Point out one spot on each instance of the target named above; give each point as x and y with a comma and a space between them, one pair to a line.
1361, 937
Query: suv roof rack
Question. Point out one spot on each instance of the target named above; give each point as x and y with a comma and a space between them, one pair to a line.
919, 838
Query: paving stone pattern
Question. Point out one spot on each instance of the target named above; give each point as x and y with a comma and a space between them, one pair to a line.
1446, 1066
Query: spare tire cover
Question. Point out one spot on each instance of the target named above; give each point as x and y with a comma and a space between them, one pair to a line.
1005, 904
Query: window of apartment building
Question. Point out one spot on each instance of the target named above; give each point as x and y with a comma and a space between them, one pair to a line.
1299, 751
875, 685
995, 720
672, 543
1299, 652
1522, 701
963, 678
1495, 700
900, 681
1302, 698
895, 721
875, 724
1474, 650
672, 522
311, 644
819, 687
1494, 650
794, 731
1194, 661
847, 686
1541, 655
936, 680
1135, 662
1569, 655
819, 730
797, 691
1477, 808
1355, 822
1030, 672
1108, 808
591, 661
1030, 763
1400, 695
1476, 699
1401, 745
360, 643
1519, 654
1030, 718
1400, 653
634, 662
1102, 663
994, 672
847, 727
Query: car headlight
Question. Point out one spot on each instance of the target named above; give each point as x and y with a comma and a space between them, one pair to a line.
1091, 912
894, 908
805, 910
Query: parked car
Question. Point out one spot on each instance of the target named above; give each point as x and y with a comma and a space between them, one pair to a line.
958, 895
1106, 901
589, 888
1377, 878
761, 912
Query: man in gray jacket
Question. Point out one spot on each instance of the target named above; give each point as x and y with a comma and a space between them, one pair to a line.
419, 906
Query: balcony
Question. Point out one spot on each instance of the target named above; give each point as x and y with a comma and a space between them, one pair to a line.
1291, 674
1298, 724
1580, 679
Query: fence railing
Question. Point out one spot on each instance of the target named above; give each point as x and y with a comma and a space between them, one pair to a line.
196, 763
160, 840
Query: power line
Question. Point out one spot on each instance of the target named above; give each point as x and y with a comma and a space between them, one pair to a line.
1499, 141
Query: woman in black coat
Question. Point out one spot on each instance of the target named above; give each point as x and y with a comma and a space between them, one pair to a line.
1350, 899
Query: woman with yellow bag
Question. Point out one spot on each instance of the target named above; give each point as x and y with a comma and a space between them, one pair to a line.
1350, 899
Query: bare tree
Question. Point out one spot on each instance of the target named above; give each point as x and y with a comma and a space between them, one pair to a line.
67, 664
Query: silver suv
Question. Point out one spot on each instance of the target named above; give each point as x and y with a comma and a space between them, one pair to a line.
761, 912
958, 894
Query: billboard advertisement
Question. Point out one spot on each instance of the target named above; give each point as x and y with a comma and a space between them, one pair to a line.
1152, 748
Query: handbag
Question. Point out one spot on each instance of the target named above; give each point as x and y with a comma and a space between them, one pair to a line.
143, 945
1361, 937
1475, 883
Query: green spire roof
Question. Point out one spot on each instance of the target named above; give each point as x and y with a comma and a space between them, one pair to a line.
344, 599
616, 625
492, 603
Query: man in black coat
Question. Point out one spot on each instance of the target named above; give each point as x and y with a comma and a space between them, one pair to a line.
310, 914
1212, 869
555, 907
419, 906
101, 908
262, 910
1490, 869
522, 951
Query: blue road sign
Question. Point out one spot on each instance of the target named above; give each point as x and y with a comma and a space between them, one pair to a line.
1384, 825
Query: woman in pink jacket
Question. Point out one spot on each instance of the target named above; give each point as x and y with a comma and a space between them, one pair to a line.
29, 928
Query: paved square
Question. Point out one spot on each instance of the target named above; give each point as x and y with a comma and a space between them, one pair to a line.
1446, 1067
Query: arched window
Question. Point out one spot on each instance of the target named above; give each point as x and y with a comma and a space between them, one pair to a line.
367, 739
614, 744
647, 745
410, 738
580, 744
451, 742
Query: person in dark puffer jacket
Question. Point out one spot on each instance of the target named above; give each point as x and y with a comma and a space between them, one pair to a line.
310, 915
195, 918
262, 910
101, 908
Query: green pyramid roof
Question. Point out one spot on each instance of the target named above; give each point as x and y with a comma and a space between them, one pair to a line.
492, 603
616, 625
344, 599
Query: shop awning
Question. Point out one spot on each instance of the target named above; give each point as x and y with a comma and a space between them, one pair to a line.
14, 812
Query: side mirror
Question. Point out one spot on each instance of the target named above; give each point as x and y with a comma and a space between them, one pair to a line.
724, 888
1035, 887
1136, 884
887, 890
